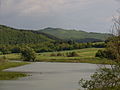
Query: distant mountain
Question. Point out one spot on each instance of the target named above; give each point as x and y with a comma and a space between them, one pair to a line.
80, 36
10, 35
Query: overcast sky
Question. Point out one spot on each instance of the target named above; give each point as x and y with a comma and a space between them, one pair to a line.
87, 15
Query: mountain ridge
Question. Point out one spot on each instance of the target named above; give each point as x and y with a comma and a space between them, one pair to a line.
9, 35
74, 34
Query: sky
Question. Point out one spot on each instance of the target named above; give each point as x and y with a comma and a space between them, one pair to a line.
87, 15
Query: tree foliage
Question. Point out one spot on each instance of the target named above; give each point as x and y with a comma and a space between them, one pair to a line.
72, 54
107, 78
28, 54
103, 79
13, 36
105, 54
47, 46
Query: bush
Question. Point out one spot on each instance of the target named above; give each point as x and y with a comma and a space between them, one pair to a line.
28, 54
103, 79
100, 54
105, 54
53, 54
3, 59
57, 54
15, 50
60, 54
72, 54
1, 53
6, 52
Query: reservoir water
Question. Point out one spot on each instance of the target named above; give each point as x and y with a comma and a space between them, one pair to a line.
49, 76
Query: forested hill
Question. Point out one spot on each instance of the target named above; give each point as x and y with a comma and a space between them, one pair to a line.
75, 34
10, 35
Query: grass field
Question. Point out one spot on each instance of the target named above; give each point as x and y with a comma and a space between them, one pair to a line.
11, 56
85, 56
10, 75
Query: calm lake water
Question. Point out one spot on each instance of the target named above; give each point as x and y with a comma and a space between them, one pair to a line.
50, 76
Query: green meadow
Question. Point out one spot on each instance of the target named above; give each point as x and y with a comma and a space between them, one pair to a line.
84, 56
10, 75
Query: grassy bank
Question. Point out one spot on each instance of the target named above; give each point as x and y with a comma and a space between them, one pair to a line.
10, 75
84, 56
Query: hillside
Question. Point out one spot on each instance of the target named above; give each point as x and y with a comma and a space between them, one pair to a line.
10, 35
75, 34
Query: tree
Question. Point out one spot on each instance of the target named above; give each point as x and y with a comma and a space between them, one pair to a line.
107, 78
112, 50
28, 54
114, 42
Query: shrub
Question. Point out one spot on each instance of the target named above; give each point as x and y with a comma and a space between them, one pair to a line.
3, 59
53, 54
105, 54
15, 50
1, 53
57, 54
100, 54
103, 79
72, 54
60, 54
6, 52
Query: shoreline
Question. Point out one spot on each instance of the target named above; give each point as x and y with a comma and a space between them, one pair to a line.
5, 75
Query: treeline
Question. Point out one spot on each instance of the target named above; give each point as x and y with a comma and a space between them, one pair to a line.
49, 46
85, 40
